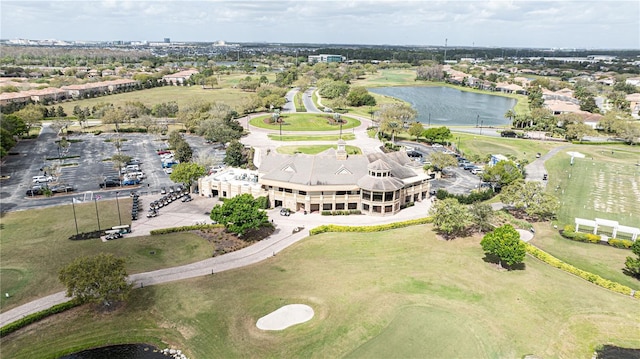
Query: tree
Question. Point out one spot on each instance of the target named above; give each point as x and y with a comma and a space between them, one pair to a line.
632, 265
394, 116
183, 151
502, 173
145, 121
450, 217
510, 114
359, 96
14, 125
115, 116
219, 130
239, 214
535, 97
235, 155
100, 279
437, 134
31, 115
416, 129
530, 198
504, 242
119, 161
440, 160
577, 131
187, 172
481, 214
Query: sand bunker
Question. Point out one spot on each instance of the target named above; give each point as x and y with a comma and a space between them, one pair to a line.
285, 317
575, 154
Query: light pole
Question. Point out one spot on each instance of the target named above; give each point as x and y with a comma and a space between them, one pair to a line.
477, 120
429, 125
75, 219
95, 200
481, 123
118, 205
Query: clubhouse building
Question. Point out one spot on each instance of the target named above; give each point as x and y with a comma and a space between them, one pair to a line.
375, 184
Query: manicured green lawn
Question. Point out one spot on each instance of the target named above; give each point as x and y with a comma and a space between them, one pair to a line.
484, 146
607, 186
603, 260
305, 122
180, 94
35, 246
315, 149
401, 293
276, 137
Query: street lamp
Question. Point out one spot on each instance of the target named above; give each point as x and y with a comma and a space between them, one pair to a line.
481, 123
118, 205
477, 119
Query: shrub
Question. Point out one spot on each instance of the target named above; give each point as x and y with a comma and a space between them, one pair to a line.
86, 235
133, 129
262, 202
382, 227
185, 228
32, 318
341, 213
569, 233
98, 132
476, 196
620, 243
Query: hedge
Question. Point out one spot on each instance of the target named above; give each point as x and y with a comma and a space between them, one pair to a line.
593, 278
569, 233
470, 198
382, 227
87, 235
32, 318
620, 243
185, 228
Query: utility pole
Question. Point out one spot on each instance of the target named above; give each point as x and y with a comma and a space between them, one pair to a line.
445, 51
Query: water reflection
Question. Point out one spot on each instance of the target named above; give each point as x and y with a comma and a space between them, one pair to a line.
445, 106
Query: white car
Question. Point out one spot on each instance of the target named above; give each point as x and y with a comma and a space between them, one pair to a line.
42, 179
168, 170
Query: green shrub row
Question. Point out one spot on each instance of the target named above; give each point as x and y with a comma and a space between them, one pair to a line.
32, 318
184, 228
593, 278
382, 227
341, 213
620, 243
598, 143
569, 233
470, 198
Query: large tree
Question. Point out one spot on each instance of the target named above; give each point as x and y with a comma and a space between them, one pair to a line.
239, 214
450, 217
101, 279
183, 151
236, 155
394, 116
441, 160
530, 198
187, 172
115, 116
437, 134
504, 242
416, 129
502, 173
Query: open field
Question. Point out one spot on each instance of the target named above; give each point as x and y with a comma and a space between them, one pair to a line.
276, 137
603, 260
35, 246
604, 184
315, 149
305, 122
400, 293
180, 94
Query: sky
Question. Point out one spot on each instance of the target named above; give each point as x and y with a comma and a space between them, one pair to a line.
590, 24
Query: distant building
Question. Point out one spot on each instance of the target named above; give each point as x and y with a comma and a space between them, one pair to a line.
179, 78
167, 40
325, 58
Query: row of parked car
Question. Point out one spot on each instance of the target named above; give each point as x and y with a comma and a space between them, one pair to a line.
468, 166
130, 175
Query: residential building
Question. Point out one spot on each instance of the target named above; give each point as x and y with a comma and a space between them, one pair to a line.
180, 77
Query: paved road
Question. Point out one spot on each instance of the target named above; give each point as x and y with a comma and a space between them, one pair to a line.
535, 170
307, 101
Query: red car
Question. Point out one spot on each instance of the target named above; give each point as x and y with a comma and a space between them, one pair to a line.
163, 152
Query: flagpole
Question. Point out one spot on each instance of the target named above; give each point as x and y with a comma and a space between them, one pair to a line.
75, 219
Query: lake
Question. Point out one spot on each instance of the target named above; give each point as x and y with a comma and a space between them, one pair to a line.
451, 107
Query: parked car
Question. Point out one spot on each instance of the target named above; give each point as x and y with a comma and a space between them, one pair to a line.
414, 154
42, 179
187, 198
163, 190
468, 166
110, 183
111, 236
285, 212
163, 152
477, 170
134, 161
130, 182
168, 170
62, 188
34, 192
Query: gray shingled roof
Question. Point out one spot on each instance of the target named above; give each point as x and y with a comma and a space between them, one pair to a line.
313, 170
397, 162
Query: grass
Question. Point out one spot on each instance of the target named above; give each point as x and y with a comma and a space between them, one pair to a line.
604, 260
180, 94
276, 137
305, 122
400, 293
607, 186
315, 149
35, 246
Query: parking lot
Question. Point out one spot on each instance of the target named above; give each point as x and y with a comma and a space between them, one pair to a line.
85, 166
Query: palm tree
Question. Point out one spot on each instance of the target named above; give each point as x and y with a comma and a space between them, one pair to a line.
510, 114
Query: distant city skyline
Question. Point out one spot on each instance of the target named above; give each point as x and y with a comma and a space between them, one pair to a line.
586, 24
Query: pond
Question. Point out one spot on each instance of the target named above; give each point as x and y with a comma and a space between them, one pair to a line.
445, 106
125, 351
